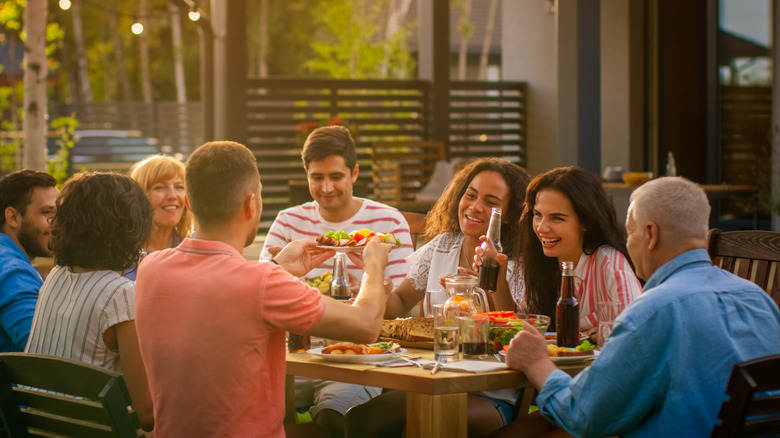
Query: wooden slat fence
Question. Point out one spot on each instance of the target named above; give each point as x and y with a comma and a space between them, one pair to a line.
177, 127
486, 119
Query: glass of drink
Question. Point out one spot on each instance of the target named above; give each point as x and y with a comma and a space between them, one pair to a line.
296, 342
474, 336
446, 344
606, 312
433, 297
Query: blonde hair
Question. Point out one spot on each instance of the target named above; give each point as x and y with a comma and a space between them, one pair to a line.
157, 168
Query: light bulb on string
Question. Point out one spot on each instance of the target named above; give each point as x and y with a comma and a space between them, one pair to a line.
64, 5
137, 28
194, 15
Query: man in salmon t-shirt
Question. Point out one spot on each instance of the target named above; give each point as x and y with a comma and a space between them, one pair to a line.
330, 160
211, 324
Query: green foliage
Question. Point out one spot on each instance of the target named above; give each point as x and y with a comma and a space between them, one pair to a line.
58, 164
351, 46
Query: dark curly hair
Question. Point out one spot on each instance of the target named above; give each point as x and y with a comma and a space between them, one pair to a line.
596, 214
444, 214
102, 222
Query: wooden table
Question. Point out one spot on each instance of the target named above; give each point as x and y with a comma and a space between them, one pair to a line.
435, 404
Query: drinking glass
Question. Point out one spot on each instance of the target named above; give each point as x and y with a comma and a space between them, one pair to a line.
433, 297
446, 332
606, 312
474, 336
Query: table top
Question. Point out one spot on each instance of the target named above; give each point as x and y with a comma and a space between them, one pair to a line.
411, 378
708, 188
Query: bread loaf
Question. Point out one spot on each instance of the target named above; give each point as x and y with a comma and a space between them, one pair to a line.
416, 329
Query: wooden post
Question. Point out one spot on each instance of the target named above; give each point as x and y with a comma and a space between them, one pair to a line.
230, 72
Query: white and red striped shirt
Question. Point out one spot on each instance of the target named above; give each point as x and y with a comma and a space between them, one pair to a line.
604, 275
305, 222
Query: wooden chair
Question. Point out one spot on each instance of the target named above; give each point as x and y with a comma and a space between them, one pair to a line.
416, 223
401, 169
52, 396
753, 255
750, 411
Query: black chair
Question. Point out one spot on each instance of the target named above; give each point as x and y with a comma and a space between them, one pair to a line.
51, 396
753, 409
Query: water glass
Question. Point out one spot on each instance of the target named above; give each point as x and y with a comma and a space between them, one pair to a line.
606, 312
433, 297
446, 346
474, 336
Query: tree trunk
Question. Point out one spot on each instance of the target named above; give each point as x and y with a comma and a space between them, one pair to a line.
85, 91
178, 62
178, 67
464, 27
119, 59
146, 83
34, 119
263, 55
491, 24
394, 17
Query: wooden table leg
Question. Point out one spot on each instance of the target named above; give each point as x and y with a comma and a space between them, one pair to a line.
289, 398
436, 416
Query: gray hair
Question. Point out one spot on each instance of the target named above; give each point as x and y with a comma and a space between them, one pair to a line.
679, 207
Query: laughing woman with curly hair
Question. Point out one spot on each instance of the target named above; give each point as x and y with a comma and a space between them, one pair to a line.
85, 309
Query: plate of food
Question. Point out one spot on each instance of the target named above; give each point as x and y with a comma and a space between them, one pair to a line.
564, 356
348, 352
354, 241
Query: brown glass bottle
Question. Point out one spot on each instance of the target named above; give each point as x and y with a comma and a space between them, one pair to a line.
567, 312
488, 272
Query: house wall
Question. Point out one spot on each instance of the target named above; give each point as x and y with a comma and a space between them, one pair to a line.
528, 34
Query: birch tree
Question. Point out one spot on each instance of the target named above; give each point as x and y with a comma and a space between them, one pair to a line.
35, 71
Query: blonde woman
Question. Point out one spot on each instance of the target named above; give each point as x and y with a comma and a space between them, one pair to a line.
162, 178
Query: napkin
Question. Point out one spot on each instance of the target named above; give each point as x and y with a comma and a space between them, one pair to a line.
471, 366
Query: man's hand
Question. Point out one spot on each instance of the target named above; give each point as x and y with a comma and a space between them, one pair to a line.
376, 252
301, 256
528, 353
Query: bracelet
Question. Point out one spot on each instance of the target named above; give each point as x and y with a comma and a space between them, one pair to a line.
274, 262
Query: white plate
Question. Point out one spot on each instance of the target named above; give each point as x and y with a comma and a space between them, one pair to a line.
562, 360
342, 248
353, 358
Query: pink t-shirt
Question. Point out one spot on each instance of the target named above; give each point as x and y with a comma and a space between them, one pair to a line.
211, 331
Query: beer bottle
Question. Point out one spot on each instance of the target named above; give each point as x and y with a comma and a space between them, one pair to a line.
488, 272
339, 285
567, 312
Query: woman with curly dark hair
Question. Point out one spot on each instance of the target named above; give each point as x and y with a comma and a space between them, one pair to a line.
85, 308
458, 220
569, 217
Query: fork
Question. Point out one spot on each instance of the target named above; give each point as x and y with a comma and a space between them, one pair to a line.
409, 359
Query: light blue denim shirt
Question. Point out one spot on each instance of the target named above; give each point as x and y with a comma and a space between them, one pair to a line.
664, 369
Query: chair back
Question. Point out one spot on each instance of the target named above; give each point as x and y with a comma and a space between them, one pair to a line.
401, 169
753, 255
53, 396
416, 223
753, 408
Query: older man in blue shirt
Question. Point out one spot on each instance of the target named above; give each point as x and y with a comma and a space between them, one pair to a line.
26, 205
664, 369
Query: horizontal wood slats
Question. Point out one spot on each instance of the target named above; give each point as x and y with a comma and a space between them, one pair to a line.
753, 255
486, 119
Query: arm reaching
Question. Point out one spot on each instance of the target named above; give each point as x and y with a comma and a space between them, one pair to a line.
301, 256
361, 321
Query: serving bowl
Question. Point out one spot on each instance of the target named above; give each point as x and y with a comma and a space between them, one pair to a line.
502, 330
636, 179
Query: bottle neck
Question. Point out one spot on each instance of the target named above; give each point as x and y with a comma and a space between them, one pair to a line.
494, 229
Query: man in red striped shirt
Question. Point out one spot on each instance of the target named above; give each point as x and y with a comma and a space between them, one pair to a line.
330, 159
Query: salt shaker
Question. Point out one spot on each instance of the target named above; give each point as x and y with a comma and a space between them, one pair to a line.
339, 285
